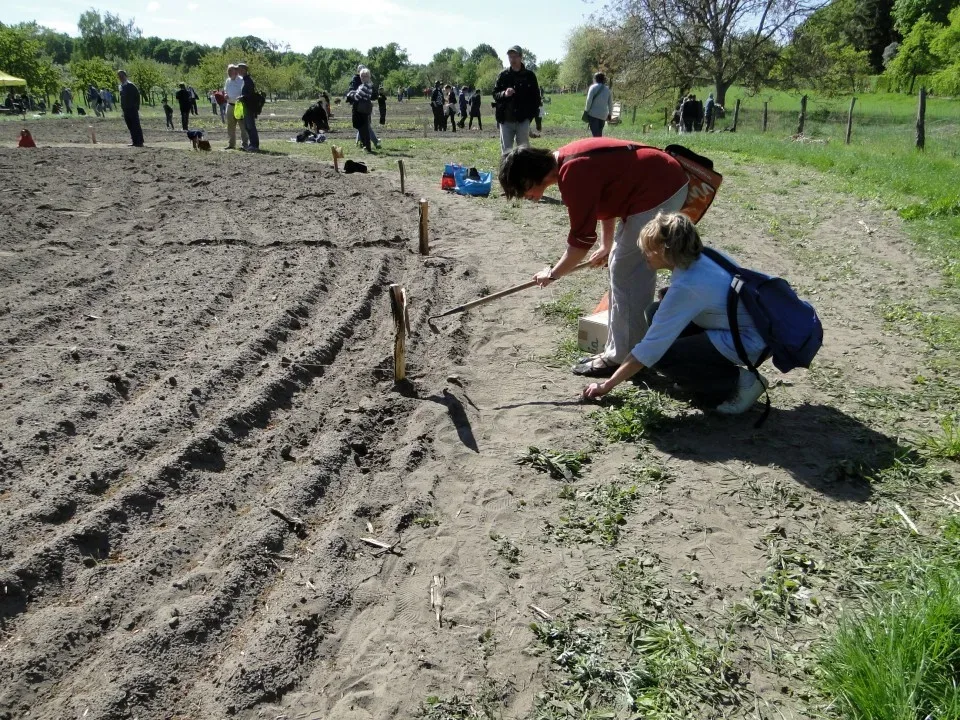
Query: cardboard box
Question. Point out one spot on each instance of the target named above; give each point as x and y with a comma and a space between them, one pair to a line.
592, 332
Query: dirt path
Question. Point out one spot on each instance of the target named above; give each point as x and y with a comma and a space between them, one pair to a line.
186, 346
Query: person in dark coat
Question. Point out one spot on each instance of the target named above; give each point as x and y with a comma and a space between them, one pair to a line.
517, 95
475, 110
382, 105
436, 104
248, 98
130, 105
185, 102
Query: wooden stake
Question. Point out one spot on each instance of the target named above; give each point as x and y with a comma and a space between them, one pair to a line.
337, 152
736, 116
398, 306
921, 113
764, 128
424, 227
666, 117
93, 134
633, 120
853, 102
403, 186
803, 115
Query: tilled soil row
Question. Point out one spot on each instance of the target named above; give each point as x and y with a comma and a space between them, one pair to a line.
179, 362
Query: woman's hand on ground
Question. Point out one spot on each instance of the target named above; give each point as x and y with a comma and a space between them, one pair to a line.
544, 277
599, 257
594, 391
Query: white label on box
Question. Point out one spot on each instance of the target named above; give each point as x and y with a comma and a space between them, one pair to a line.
592, 332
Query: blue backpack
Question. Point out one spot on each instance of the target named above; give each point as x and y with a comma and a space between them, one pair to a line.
788, 325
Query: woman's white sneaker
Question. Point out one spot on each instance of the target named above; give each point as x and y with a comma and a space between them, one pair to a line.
749, 389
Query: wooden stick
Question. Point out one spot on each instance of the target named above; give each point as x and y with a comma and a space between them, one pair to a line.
424, 227
803, 115
398, 306
93, 134
853, 102
497, 295
337, 155
736, 116
764, 128
403, 185
906, 518
921, 114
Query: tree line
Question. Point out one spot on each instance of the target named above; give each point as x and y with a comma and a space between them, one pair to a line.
49, 60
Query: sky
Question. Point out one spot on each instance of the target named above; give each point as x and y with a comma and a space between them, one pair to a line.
422, 27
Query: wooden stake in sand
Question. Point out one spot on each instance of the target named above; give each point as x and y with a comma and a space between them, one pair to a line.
403, 185
337, 153
424, 227
93, 134
436, 597
398, 306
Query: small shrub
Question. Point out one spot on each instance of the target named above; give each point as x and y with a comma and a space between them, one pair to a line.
560, 465
632, 415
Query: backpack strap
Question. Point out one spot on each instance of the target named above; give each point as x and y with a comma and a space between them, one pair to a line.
733, 300
602, 151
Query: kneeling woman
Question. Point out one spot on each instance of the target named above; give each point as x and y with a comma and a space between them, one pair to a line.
689, 340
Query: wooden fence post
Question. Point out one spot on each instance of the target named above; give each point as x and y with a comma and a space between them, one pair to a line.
424, 227
921, 112
803, 115
853, 101
633, 120
398, 306
764, 128
736, 116
403, 186
666, 117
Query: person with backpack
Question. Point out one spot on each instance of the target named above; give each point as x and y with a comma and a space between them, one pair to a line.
690, 340
602, 180
248, 96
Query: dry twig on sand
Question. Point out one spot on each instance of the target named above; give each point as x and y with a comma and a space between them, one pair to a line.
436, 597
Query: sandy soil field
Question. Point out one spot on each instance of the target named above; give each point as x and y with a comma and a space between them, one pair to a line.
199, 427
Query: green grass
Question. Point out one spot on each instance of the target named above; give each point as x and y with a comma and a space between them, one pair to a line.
946, 444
900, 660
566, 309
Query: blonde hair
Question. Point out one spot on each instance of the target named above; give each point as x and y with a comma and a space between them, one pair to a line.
676, 234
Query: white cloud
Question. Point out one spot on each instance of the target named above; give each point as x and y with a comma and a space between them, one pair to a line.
192, 6
153, 7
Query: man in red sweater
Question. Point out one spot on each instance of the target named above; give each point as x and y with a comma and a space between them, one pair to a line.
602, 180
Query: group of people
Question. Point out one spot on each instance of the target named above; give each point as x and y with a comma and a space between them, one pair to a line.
691, 115
239, 91
448, 101
636, 193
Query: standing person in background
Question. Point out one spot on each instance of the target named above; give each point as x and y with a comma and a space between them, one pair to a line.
168, 113
436, 104
517, 95
130, 105
475, 110
193, 100
107, 99
66, 96
382, 105
220, 98
325, 97
450, 109
462, 98
362, 101
183, 100
233, 88
708, 113
214, 105
249, 100
599, 106
688, 113
539, 119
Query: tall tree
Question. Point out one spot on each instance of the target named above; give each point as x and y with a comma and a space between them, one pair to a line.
481, 51
106, 35
718, 41
907, 12
384, 60
21, 55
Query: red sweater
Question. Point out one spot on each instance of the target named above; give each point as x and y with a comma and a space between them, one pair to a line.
613, 184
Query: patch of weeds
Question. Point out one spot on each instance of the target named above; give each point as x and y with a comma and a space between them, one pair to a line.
907, 472
789, 587
945, 446
648, 475
565, 309
487, 703
640, 660
941, 330
630, 415
568, 350
560, 465
597, 515
900, 658
506, 549
426, 521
